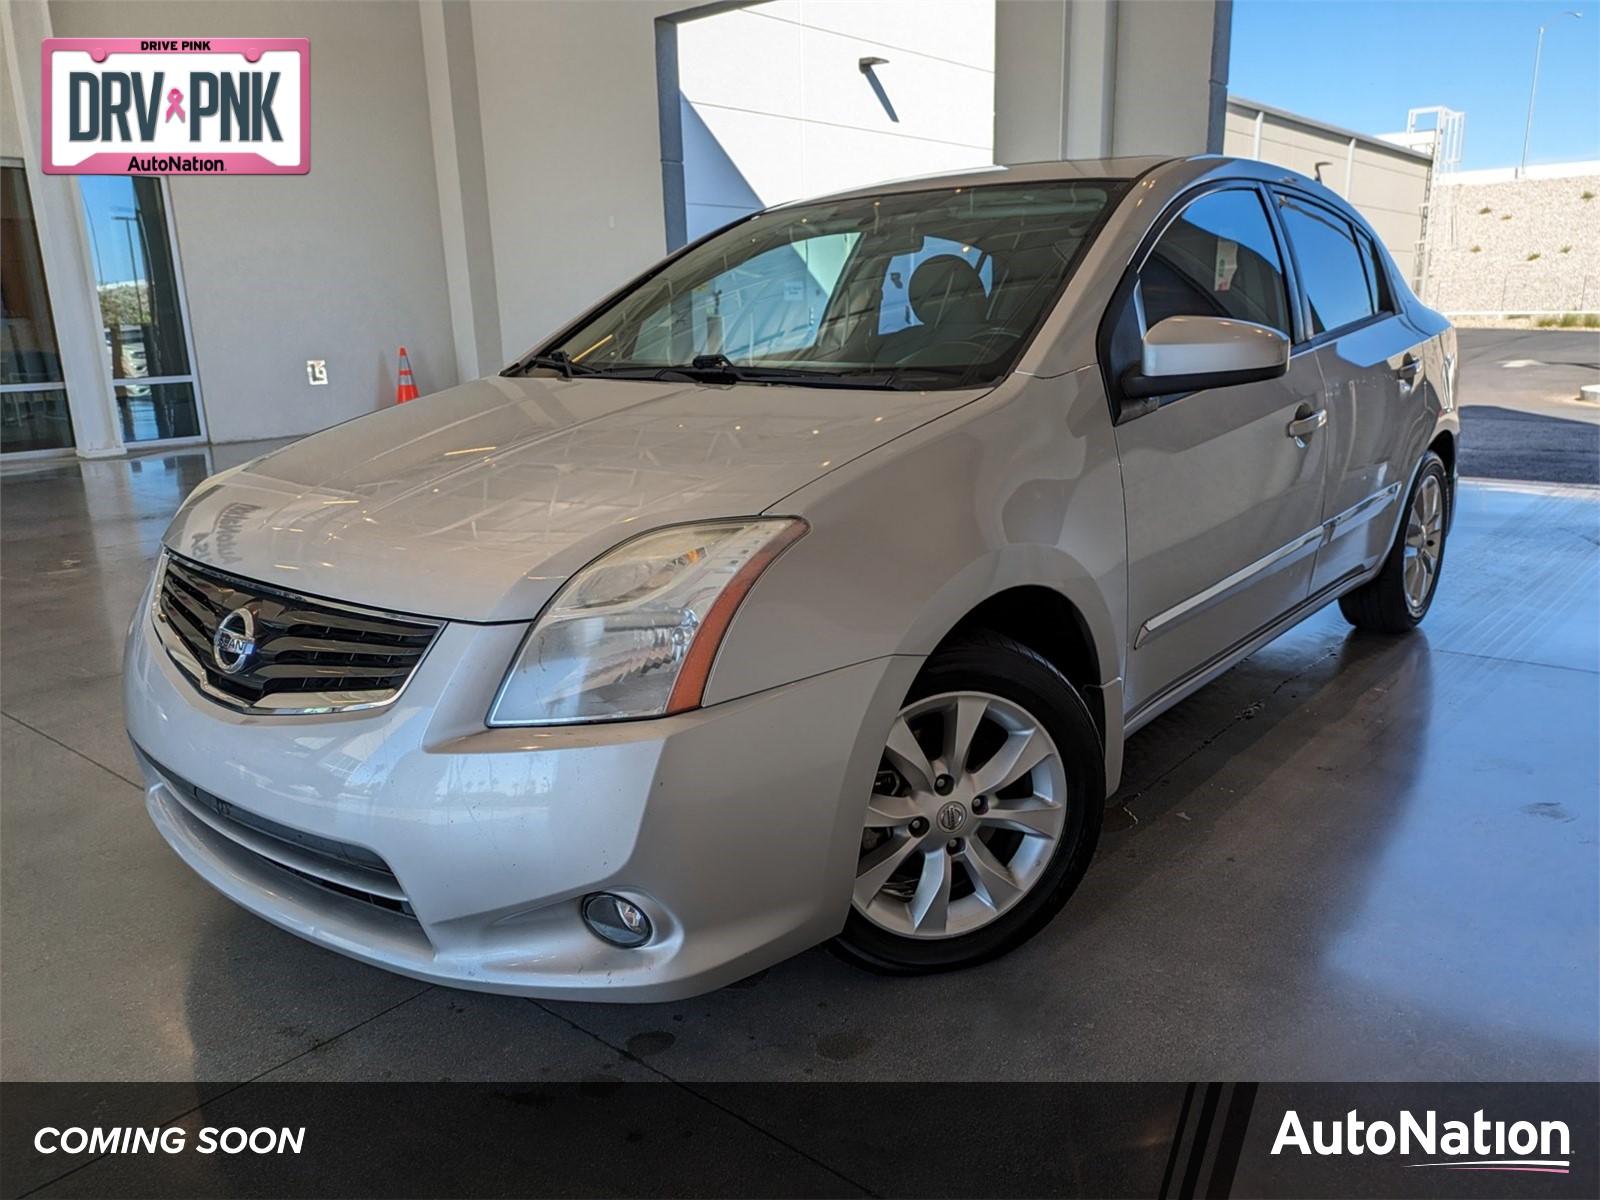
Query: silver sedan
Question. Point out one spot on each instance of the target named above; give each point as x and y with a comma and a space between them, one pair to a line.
806, 588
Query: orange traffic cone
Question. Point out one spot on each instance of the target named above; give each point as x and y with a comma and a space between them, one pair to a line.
406, 389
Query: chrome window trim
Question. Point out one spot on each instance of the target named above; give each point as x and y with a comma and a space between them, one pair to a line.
295, 704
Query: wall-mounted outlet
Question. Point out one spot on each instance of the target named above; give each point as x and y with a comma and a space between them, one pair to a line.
317, 371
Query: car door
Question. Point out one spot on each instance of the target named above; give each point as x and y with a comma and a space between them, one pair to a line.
1223, 487
1368, 358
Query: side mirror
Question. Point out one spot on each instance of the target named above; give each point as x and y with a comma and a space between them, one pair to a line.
1186, 354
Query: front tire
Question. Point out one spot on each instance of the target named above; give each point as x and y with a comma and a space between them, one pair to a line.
984, 815
1399, 596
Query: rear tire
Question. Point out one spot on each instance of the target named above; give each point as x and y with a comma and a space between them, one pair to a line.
1399, 596
984, 854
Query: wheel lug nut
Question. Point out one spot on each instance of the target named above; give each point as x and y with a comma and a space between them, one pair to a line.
980, 804
953, 845
919, 826
943, 785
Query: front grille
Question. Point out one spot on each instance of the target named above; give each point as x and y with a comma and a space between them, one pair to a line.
340, 867
310, 655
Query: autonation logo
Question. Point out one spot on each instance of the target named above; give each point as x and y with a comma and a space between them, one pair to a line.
1478, 1145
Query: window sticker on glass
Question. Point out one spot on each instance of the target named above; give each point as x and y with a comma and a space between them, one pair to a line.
1227, 264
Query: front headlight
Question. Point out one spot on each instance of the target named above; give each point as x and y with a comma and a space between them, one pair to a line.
634, 633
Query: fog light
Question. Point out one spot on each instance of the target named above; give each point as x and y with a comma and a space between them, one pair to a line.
615, 920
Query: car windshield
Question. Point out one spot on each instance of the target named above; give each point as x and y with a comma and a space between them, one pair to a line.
915, 289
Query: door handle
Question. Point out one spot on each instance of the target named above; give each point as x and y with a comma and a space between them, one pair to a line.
1303, 427
1407, 372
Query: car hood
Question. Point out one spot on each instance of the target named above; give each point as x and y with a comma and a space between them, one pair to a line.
475, 503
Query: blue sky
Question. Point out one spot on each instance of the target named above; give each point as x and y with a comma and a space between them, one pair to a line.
1362, 65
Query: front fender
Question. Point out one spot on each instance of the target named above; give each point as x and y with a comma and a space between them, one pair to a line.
1020, 488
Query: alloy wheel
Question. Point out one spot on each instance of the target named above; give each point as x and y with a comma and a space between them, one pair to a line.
1424, 541
967, 809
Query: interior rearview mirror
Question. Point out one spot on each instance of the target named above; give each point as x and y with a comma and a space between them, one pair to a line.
1186, 354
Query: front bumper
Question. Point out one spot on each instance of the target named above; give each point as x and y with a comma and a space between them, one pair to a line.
736, 827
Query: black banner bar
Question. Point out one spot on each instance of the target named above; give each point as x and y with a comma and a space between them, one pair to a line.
822, 1139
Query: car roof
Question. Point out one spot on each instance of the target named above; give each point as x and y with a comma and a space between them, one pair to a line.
1033, 172
1190, 168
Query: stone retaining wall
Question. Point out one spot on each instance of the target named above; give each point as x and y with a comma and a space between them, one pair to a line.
1523, 246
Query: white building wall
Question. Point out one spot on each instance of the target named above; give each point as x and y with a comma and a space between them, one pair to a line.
774, 105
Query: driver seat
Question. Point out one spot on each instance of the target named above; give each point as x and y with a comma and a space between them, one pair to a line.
947, 298
946, 294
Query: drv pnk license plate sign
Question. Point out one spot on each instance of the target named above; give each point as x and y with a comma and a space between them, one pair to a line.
177, 106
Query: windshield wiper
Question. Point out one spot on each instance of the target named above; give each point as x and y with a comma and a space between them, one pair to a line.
714, 366
718, 368
555, 360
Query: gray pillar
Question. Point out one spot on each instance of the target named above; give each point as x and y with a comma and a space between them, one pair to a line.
1097, 78
450, 60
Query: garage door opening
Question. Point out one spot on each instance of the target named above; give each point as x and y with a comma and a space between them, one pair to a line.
769, 103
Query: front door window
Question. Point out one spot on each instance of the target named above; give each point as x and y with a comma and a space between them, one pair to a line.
1218, 258
141, 307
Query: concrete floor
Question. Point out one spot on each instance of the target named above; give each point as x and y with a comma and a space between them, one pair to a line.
1350, 858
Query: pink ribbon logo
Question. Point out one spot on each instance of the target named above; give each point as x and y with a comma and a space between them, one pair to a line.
175, 105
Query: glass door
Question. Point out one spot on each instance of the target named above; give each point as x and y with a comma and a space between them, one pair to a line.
34, 417
141, 308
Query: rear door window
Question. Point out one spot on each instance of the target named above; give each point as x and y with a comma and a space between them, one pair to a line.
1377, 278
1335, 273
